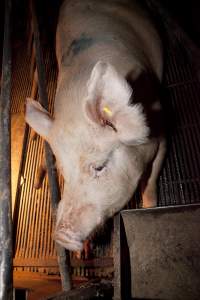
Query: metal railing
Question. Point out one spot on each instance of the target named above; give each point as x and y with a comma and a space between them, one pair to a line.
62, 253
5, 165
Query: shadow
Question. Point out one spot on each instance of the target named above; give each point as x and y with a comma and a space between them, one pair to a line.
125, 265
145, 299
147, 90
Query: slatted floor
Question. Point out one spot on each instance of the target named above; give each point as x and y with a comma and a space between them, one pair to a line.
21, 87
34, 247
179, 182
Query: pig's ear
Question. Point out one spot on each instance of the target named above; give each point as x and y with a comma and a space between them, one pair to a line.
38, 118
108, 105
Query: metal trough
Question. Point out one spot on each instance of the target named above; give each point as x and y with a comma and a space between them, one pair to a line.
158, 253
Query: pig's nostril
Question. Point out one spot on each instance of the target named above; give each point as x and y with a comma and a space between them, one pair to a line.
68, 241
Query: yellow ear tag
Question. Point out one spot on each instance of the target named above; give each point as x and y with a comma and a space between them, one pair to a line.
107, 110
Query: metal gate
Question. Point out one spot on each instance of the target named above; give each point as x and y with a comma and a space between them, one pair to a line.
179, 182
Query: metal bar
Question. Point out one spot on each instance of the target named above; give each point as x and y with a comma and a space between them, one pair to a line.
63, 255
6, 280
105, 262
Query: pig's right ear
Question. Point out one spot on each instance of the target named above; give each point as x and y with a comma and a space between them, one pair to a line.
38, 118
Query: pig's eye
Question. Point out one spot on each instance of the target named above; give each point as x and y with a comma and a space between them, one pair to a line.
100, 168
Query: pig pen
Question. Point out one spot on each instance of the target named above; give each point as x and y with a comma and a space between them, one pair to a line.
179, 183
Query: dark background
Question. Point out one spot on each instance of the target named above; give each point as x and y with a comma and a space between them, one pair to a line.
186, 13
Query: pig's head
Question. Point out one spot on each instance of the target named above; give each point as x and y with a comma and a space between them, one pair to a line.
93, 146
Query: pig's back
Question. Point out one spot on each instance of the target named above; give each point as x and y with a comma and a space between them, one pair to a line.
115, 31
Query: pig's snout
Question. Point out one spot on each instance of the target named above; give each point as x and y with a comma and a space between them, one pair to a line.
74, 224
68, 240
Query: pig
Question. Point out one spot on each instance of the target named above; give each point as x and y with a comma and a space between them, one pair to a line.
106, 132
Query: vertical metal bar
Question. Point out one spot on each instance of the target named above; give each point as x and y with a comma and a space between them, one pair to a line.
5, 166
63, 255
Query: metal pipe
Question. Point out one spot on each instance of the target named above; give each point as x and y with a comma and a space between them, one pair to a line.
63, 255
6, 279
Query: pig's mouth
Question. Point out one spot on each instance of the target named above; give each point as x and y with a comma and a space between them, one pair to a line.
68, 240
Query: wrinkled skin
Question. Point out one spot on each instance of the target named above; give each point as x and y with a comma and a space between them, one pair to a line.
106, 132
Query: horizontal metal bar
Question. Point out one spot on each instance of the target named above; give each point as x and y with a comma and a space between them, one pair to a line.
105, 262
20, 262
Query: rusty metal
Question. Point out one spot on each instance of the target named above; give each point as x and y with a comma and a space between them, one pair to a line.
63, 254
5, 165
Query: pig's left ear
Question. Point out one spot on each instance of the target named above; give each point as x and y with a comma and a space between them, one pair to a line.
108, 105
38, 118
